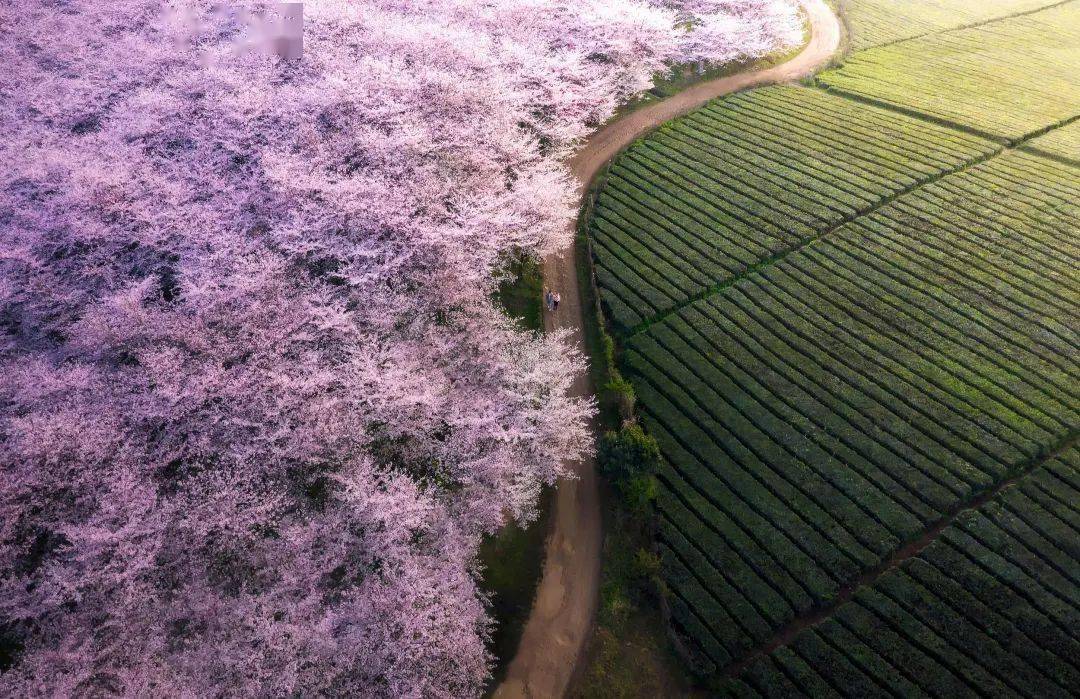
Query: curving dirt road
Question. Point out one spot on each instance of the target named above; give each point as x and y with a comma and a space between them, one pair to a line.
558, 627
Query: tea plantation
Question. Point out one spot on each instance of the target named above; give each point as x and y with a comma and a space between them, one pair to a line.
1006, 78
988, 608
728, 187
1062, 144
850, 316
878, 22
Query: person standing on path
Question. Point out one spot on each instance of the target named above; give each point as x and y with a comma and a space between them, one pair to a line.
547, 298
555, 298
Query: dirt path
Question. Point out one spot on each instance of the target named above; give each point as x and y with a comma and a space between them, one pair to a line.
558, 627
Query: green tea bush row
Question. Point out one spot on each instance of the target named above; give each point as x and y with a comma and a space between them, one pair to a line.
876, 22
711, 195
1009, 78
830, 406
990, 607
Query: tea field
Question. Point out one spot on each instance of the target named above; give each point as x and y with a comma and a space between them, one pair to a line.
850, 316
990, 607
1062, 144
878, 22
724, 189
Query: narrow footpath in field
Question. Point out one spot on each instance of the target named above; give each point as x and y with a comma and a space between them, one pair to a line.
558, 627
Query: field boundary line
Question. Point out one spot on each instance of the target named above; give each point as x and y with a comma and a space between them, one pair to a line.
1056, 157
923, 116
907, 551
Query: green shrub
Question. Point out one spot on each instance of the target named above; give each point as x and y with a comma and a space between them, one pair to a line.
646, 564
615, 603
627, 455
622, 393
638, 493
608, 349
630, 458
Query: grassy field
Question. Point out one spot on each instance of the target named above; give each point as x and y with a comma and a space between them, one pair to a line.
850, 317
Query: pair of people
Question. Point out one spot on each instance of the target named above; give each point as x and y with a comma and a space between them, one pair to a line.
551, 299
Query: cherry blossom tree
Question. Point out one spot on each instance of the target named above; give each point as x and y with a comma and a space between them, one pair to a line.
257, 404
716, 31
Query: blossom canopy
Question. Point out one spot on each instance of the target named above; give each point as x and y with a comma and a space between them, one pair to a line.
257, 403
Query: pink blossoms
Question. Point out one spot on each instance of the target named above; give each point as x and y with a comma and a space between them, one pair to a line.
257, 405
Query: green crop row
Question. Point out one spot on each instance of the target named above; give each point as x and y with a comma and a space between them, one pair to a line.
762, 445
620, 255
741, 621
789, 190
957, 295
879, 339
1008, 78
789, 322
877, 22
802, 543
712, 238
707, 201
990, 608
938, 279
792, 166
752, 576
834, 406
792, 433
932, 382
798, 423
619, 221
861, 132
713, 194
1060, 143
877, 292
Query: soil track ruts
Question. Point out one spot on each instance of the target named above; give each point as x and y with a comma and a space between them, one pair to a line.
558, 627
